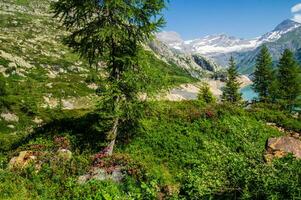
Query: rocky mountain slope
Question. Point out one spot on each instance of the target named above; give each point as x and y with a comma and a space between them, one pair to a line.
197, 65
219, 47
290, 40
208, 46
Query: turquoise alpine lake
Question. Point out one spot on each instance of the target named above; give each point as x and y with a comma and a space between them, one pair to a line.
248, 93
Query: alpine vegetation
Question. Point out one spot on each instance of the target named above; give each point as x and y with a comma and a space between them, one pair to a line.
96, 102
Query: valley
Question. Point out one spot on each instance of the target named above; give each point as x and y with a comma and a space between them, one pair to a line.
91, 109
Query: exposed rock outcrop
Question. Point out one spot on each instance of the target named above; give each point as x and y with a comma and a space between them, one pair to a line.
280, 147
22, 160
100, 174
64, 154
9, 117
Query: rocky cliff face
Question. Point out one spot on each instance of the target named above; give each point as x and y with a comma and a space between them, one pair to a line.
196, 65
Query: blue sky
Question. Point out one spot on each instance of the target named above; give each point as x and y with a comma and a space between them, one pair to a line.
241, 18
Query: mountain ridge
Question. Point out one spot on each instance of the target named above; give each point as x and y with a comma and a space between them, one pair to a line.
219, 47
174, 40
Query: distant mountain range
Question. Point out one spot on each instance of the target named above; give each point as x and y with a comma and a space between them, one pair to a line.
220, 47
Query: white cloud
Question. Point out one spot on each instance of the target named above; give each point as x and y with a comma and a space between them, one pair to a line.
297, 18
296, 8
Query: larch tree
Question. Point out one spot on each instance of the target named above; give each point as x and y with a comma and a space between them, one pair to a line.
112, 32
288, 80
231, 92
264, 75
205, 95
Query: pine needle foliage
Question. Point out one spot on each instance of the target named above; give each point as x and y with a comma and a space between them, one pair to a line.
231, 92
288, 80
264, 76
110, 34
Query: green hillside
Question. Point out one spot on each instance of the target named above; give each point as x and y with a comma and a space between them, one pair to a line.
43, 76
178, 151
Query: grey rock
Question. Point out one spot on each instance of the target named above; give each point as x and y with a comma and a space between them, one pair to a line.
101, 174
9, 117
64, 154
279, 147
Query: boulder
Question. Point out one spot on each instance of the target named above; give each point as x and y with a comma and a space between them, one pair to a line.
37, 120
11, 126
49, 85
83, 179
101, 174
64, 154
279, 147
92, 86
68, 105
50, 102
10, 117
22, 160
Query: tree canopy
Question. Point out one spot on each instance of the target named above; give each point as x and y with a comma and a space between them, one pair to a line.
110, 34
263, 75
288, 80
231, 92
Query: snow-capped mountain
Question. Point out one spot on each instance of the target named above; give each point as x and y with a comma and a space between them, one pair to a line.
215, 45
283, 28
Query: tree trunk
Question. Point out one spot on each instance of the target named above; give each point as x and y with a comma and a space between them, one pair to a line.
110, 148
112, 138
115, 74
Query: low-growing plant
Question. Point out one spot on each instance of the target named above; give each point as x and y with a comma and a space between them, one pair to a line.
205, 95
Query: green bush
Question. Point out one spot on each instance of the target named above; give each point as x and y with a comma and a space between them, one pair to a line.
273, 114
205, 95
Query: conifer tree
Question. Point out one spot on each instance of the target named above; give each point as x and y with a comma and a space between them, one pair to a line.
231, 92
205, 95
112, 32
288, 80
264, 75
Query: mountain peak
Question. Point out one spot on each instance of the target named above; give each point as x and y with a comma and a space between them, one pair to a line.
219, 36
287, 24
283, 28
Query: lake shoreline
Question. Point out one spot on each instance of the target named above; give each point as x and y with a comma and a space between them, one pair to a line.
190, 91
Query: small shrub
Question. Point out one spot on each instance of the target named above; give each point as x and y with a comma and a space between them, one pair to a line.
62, 142
30, 108
205, 95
